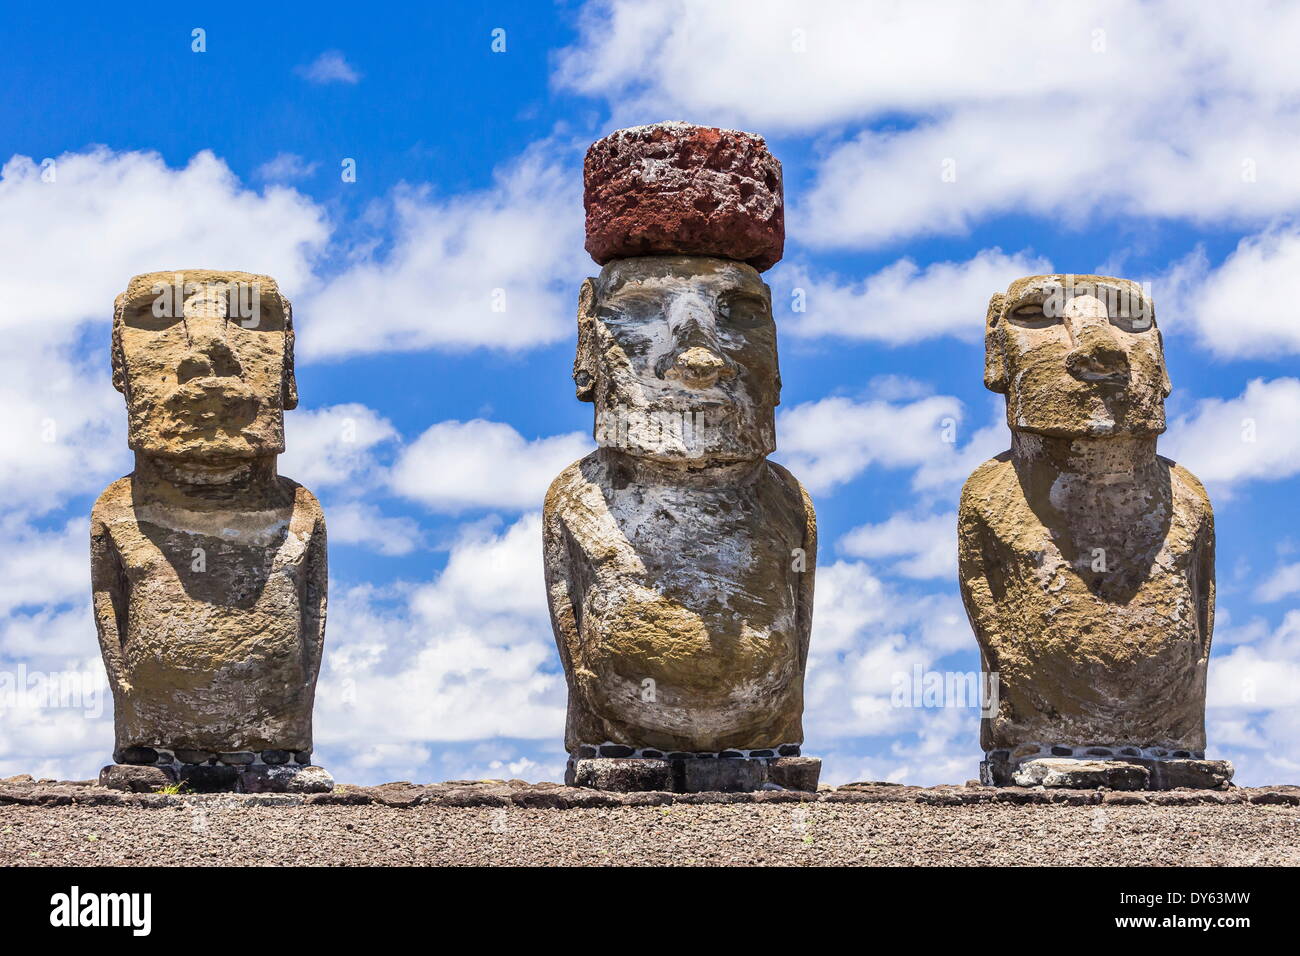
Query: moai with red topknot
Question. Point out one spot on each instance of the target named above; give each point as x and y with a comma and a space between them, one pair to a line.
679, 559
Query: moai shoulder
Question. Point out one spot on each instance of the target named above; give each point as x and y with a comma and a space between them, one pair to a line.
209, 569
1086, 560
679, 560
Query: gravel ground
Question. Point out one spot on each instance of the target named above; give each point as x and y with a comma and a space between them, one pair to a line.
886, 833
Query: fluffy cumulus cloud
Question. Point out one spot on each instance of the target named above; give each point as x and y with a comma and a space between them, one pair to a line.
964, 118
924, 547
902, 303
1247, 306
831, 441
1252, 437
1254, 703
464, 657
873, 646
496, 268
455, 466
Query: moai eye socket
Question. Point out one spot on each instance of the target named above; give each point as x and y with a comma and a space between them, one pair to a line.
744, 310
1032, 315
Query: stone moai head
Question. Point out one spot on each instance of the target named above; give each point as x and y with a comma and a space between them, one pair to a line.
205, 361
1077, 356
676, 341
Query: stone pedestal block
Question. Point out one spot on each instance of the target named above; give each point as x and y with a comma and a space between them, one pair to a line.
1123, 773
694, 774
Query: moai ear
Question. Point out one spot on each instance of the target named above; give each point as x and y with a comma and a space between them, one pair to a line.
995, 359
289, 381
584, 363
115, 349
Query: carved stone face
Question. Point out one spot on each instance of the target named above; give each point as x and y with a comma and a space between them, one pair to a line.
1077, 356
678, 353
205, 360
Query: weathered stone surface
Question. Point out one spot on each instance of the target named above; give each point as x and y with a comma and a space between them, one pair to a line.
679, 560
238, 759
136, 755
795, 773
270, 778
204, 778
1075, 774
135, 778
1086, 560
624, 774
722, 776
675, 188
208, 568
1198, 774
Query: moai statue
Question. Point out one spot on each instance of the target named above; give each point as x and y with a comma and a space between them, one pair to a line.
208, 568
1086, 559
679, 560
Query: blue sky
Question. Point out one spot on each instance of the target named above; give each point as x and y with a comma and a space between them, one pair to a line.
1128, 139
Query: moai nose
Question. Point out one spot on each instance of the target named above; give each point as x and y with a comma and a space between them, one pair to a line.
1098, 353
701, 367
206, 327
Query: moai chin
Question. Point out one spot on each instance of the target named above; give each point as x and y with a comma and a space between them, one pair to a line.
679, 560
208, 568
1086, 559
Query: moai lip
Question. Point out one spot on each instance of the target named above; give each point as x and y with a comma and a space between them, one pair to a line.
679, 560
208, 568
1086, 560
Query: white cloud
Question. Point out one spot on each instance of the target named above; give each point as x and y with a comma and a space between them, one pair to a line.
1247, 307
1253, 698
355, 522
870, 640
1283, 582
1055, 127
831, 441
467, 656
1252, 437
69, 246
498, 269
335, 445
480, 464
902, 303
285, 167
330, 67
927, 545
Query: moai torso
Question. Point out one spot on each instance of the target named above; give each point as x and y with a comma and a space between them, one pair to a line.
209, 569
1086, 559
679, 560
686, 607
221, 638
1109, 657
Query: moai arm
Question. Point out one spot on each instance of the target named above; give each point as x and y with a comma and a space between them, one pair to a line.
109, 593
1205, 572
314, 598
972, 572
555, 559
807, 578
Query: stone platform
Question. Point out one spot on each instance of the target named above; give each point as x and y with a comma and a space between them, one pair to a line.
695, 774
146, 770
1127, 768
